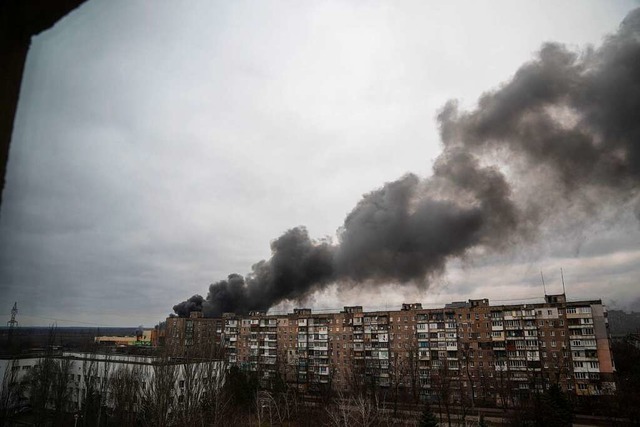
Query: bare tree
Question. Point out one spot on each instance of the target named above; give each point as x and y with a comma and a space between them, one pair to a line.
41, 378
339, 413
267, 406
11, 393
94, 385
357, 410
503, 383
412, 367
61, 392
215, 401
48, 383
124, 388
404, 374
397, 377
91, 397
442, 383
355, 378
191, 388
158, 404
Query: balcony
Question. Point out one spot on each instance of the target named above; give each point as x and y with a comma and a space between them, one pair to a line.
593, 358
583, 337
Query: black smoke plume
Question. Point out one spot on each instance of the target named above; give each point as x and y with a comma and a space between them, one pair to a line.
184, 308
565, 129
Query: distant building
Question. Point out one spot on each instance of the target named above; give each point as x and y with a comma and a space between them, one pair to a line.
634, 340
142, 338
493, 352
91, 370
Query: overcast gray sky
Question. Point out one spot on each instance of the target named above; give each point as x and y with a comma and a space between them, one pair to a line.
158, 148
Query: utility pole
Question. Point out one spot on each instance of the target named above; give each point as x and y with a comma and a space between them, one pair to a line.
12, 324
14, 311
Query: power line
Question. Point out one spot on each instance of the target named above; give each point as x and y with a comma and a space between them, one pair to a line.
70, 321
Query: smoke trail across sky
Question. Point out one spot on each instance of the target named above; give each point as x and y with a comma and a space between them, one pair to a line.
565, 130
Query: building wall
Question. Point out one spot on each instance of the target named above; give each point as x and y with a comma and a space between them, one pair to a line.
145, 339
85, 367
491, 352
195, 336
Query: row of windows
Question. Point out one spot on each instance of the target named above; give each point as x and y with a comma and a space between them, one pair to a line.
594, 365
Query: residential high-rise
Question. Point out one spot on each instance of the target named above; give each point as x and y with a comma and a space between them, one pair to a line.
487, 352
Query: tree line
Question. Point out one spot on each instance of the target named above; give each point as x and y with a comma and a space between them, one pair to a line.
198, 388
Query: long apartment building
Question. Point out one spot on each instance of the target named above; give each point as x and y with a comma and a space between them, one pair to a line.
491, 352
95, 371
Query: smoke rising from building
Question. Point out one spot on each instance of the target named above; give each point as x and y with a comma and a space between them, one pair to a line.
192, 304
564, 130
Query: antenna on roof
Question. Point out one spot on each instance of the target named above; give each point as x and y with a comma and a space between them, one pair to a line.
562, 276
543, 285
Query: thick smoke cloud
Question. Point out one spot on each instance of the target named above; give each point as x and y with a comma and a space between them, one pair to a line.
184, 308
565, 129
